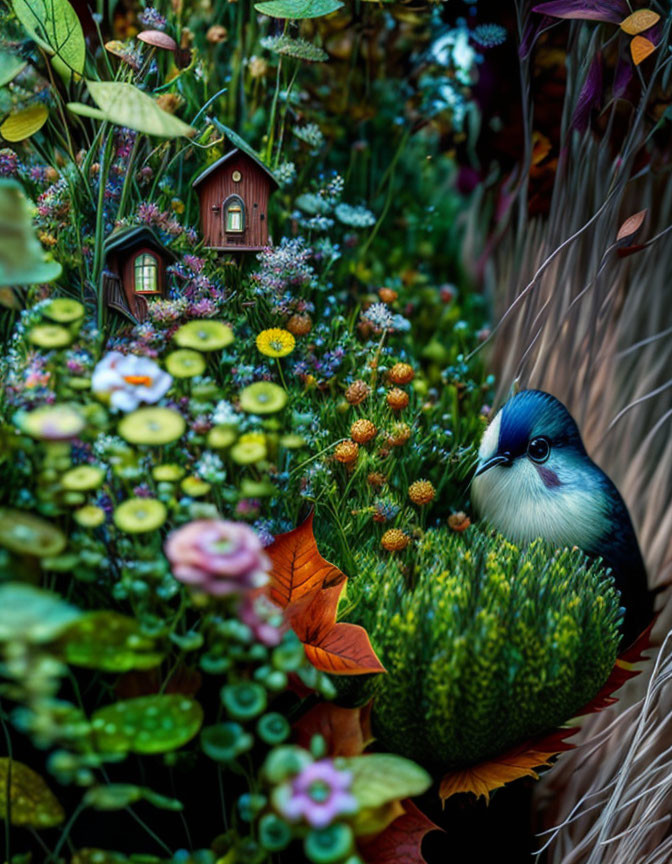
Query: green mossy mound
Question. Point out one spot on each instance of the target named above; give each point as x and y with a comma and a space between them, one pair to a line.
489, 646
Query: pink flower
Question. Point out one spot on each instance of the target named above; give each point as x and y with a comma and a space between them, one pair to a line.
218, 556
319, 794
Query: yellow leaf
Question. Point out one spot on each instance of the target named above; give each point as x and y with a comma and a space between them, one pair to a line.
640, 48
31, 801
24, 123
639, 21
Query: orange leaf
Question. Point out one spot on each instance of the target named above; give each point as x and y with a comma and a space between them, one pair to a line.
640, 48
346, 731
639, 21
308, 588
298, 568
400, 842
631, 225
344, 650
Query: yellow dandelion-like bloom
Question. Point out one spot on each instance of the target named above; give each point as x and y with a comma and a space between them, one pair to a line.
421, 492
346, 452
276, 342
394, 540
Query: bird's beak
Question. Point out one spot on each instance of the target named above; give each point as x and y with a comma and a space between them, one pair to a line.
502, 459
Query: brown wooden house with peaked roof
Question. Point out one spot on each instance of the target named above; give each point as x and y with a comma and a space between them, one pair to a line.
134, 270
233, 194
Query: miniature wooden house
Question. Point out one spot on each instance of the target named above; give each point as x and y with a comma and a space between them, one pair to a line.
134, 271
233, 194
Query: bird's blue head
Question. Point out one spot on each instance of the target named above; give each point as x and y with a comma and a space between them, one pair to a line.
534, 477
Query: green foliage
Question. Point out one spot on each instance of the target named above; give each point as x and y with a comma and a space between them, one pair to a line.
29, 614
54, 25
491, 646
109, 641
31, 802
22, 260
383, 777
298, 8
116, 796
10, 66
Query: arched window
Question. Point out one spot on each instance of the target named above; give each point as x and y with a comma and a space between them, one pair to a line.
234, 215
146, 273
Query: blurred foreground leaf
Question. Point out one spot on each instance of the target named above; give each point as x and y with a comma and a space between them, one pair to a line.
149, 724
109, 641
31, 802
30, 614
22, 260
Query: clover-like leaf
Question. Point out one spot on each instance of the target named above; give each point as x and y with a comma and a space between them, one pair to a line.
22, 260
31, 801
32, 615
54, 25
109, 641
148, 724
125, 105
382, 777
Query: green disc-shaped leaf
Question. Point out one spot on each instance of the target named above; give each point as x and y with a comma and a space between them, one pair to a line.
382, 777
54, 25
24, 122
149, 724
31, 801
22, 260
108, 641
30, 614
298, 8
98, 856
125, 105
10, 66
116, 796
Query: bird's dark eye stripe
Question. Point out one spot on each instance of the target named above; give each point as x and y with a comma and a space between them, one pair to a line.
539, 449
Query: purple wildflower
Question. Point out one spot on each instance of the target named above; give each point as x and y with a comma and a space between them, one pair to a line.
319, 794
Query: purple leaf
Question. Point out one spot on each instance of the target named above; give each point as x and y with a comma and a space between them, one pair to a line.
589, 10
622, 77
590, 95
533, 29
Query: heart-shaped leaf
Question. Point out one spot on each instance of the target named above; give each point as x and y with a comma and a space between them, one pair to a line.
640, 49
149, 724
124, 105
22, 260
639, 21
24, 123
31, 801
10, 66
109, 641
298, 8
378, 778
54, 25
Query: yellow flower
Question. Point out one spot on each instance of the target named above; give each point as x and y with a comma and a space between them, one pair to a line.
275, 342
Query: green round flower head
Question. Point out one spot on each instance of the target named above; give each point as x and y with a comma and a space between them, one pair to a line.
221, 437
63, 310
168, 473
273, 728
244, 701
263, 397
89, 516
51, 422
26, 534
291, 441
205, 335
250, 448
185, 363
330, 844
493, 645
225, 741
82, 478
274, 833
137, 515
49, 336
154, 426
194, 487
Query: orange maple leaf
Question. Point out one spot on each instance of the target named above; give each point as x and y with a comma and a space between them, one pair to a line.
346, 731
400, 842
309, 588
522, 760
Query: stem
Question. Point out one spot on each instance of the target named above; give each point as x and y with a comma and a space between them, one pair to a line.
100, 226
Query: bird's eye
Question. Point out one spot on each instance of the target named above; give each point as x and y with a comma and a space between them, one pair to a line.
539, 449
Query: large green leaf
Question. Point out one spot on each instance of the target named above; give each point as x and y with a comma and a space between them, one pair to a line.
382, 777
30, 614
54, 25
22, 260
116, 796
31, 801
298, 8
25, 122
10, 66
109, 641
125, 105
148, 724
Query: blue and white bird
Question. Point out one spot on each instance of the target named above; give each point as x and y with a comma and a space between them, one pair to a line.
535, 479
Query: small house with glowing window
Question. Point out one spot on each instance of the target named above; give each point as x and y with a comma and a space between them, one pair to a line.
134, 271
233, 193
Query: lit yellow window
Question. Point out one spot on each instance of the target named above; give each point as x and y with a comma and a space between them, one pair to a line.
146, 270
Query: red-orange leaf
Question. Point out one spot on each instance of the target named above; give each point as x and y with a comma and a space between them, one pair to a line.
308, 588
640, 48
344, 650
400, 842
631, 225
346, 731
298, 568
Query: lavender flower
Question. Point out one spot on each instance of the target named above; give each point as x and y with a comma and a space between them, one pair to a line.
319, 794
